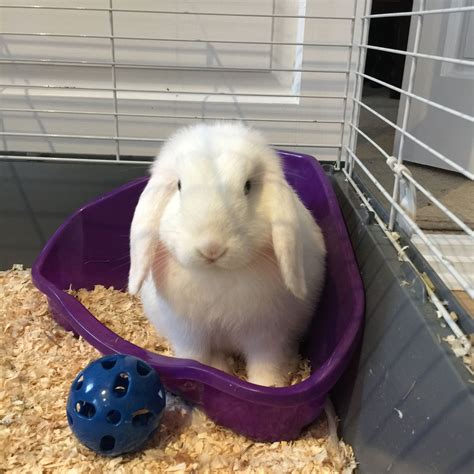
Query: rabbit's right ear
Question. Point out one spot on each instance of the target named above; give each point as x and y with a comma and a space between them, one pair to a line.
286, 218
144, 231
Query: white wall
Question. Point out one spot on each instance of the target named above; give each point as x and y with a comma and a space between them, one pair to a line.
446, 83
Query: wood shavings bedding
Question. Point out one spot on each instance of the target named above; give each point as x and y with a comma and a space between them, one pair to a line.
38, 361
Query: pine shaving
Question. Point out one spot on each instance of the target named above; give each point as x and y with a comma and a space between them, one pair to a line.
38, 361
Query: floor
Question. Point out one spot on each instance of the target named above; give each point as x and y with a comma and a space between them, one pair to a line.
459, 250
453, 190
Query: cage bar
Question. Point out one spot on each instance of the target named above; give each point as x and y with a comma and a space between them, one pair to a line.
351, 105
177, 12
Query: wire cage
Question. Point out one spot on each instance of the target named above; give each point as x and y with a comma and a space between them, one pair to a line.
107, 82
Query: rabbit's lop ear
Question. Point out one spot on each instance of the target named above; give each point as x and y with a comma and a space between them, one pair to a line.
286, 236
144, 231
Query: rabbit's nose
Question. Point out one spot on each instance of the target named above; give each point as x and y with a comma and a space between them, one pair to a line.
212, 251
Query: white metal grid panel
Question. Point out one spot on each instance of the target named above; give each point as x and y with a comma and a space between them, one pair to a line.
398, 211
296, 71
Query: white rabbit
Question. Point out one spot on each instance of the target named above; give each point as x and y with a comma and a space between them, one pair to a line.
223, 253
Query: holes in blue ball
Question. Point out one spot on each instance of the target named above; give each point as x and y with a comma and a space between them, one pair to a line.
121, 384
141, 417
114, 417
107, 443
69, 418
79, 382
160, 394
85, 409
108, 364
142, 368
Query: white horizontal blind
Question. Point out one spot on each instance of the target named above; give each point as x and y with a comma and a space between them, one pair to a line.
117, 77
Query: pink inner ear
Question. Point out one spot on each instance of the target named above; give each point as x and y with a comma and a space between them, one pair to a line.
269, 251
267, 258
159, 264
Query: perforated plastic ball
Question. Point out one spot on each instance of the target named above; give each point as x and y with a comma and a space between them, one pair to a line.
115, 404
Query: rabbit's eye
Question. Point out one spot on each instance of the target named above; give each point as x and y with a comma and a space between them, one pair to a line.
247, 186
179, 185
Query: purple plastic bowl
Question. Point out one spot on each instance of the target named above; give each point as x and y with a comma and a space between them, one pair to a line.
92, 248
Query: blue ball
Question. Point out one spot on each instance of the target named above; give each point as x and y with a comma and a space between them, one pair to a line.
115, 404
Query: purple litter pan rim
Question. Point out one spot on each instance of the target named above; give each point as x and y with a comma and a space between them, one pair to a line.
84, 323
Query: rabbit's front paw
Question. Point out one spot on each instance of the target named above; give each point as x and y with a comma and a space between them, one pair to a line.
267, 374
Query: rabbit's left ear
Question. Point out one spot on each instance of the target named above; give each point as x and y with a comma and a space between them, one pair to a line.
286, 222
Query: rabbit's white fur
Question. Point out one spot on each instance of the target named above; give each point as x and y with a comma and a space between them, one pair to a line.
256, 299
